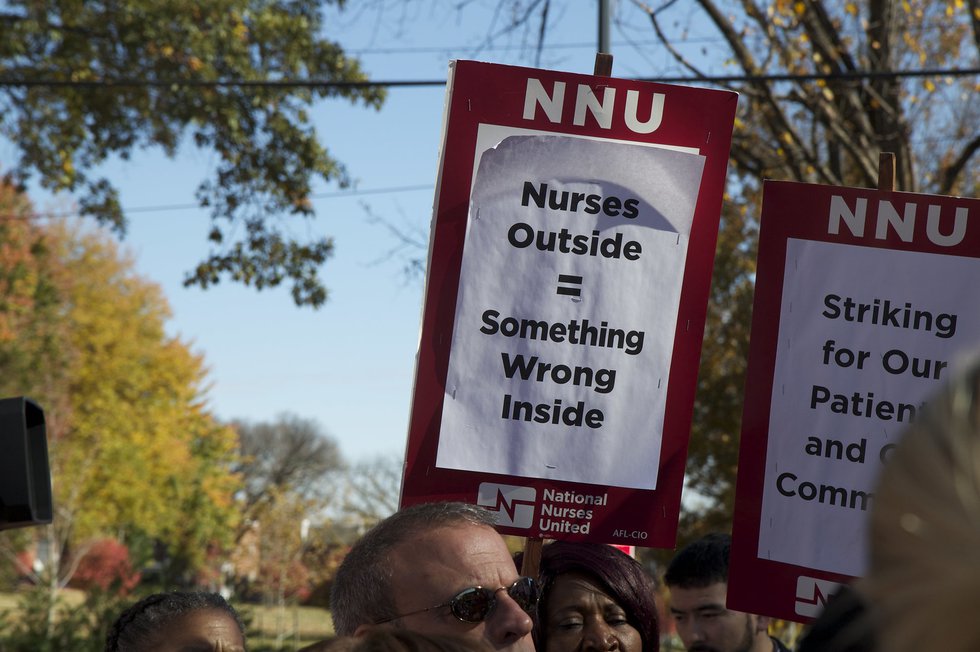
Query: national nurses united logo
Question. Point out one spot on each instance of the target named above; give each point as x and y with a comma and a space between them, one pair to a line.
812, 594
514, 505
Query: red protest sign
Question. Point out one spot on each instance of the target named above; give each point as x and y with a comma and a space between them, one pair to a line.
863, 304
572, 244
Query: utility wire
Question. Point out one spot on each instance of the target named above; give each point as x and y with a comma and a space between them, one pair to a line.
322, 83
183, 207
436, 49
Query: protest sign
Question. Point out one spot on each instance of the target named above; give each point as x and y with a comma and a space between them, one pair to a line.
572, 243
865, 303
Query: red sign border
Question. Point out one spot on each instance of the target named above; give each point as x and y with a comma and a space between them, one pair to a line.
763, 586
494, 94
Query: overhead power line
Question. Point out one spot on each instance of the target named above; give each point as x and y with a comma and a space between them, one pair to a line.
439, 49
338, 194
323, 83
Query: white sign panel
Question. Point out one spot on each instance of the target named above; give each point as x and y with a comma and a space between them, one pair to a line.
558, 368
866, 335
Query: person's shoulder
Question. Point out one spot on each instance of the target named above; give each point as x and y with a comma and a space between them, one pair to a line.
779, 646
844, 625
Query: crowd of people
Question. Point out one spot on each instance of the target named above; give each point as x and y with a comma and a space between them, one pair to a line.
438, 577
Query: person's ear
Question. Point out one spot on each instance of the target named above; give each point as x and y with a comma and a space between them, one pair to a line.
363, 630
762, 624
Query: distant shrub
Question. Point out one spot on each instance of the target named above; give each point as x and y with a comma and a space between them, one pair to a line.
44, 622
105, 565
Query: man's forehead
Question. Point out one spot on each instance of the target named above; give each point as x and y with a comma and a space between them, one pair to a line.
452, 539
695, 597
467, 552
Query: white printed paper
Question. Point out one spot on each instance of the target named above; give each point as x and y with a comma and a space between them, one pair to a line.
567, 308
867, 335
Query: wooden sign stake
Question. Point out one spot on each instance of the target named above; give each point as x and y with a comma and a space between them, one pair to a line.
886, 171
603, 64
532, 557
532, 545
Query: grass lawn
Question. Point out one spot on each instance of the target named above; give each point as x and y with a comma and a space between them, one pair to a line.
298, 626
295, 626
7, 601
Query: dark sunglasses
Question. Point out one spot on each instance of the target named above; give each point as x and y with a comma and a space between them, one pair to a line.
475, 604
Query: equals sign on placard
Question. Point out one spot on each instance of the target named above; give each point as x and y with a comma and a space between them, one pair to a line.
567, 283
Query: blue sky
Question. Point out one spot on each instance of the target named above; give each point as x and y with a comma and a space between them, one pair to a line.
350, 364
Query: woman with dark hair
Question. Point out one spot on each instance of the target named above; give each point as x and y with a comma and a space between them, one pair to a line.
594, 597
178, 622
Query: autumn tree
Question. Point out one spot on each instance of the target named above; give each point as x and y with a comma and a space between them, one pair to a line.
83, 82
32, 337
134, 451
821, 95
283, 577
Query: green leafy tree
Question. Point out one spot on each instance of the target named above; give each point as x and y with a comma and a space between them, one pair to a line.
81, 82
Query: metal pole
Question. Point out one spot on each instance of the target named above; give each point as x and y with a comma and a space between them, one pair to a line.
604, 26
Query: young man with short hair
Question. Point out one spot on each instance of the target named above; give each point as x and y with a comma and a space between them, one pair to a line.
698, 581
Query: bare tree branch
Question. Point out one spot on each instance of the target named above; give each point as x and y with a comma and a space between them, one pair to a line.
951, 173
974, 8
885, 112
542, 29
674, 52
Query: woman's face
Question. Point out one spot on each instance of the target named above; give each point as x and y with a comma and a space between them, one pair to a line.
581, 617
203, 630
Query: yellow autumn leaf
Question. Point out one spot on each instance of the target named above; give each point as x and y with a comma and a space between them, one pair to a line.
929, 86
851, 8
